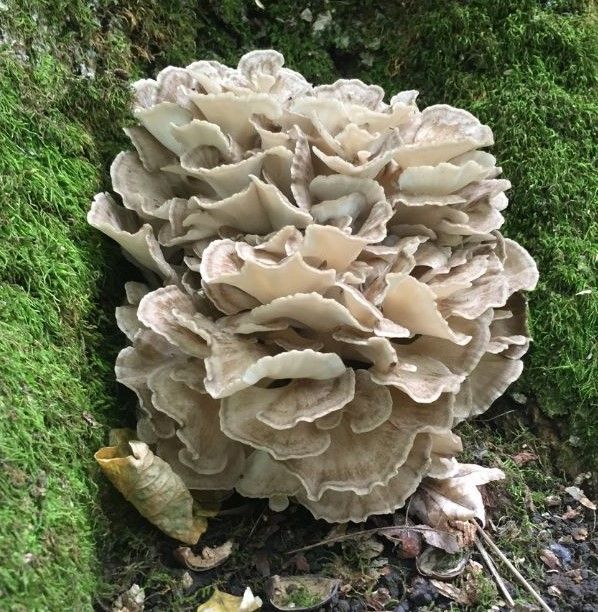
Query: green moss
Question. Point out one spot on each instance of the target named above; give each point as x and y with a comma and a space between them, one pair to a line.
299, 597
528, 68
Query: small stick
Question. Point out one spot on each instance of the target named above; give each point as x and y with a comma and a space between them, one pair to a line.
357, 534
259, 518
494, 572
530, 589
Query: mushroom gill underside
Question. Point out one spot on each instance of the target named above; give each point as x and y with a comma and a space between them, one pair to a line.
327, 291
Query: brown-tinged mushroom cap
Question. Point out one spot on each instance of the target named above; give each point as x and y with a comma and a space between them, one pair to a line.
157, 311
119, 224
487, 382
374, 458
344, 506
444, 448
300, 400
412, 304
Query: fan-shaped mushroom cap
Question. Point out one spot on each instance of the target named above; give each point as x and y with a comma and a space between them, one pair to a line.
259, 209
487, 382
119, 224
344, 506
412, 304
311, 310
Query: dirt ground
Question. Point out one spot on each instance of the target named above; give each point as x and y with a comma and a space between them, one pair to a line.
549, 535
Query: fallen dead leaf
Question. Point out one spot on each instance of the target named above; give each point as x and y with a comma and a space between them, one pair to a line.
408, 542
570, 513
378, 599
441, 502
149, 483
207, 559
524, 457
224, 602
553, 591
450, 591
301, 563
442, 539
580, 535
575, 575
578, 495
550, 559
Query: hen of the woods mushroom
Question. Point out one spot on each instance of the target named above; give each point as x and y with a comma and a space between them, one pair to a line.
327, 293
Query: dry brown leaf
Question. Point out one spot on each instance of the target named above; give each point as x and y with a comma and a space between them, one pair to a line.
207, 559
575, 575
225, 602
578, 495
450, 591
152, 487
524, 457
570, 513
449, 542
550, 559
409, 542
378, 599
580, 535
301, 563
446, 504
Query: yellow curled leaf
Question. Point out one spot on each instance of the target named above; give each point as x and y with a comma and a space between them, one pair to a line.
224, 602
152, 487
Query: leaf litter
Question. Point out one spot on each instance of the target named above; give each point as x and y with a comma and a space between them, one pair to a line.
389, 561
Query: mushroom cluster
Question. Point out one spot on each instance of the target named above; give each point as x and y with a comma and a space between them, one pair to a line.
327, 291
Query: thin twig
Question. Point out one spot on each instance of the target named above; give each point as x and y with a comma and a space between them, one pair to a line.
494, 572
357, 534
530, 589
502, 414
259, 518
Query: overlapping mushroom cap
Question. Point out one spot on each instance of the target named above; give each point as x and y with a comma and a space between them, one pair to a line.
328, 293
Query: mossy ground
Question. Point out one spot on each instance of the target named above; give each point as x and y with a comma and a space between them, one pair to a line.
528, 68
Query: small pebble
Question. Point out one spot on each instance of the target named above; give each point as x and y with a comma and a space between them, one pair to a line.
342, 605
562, 553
